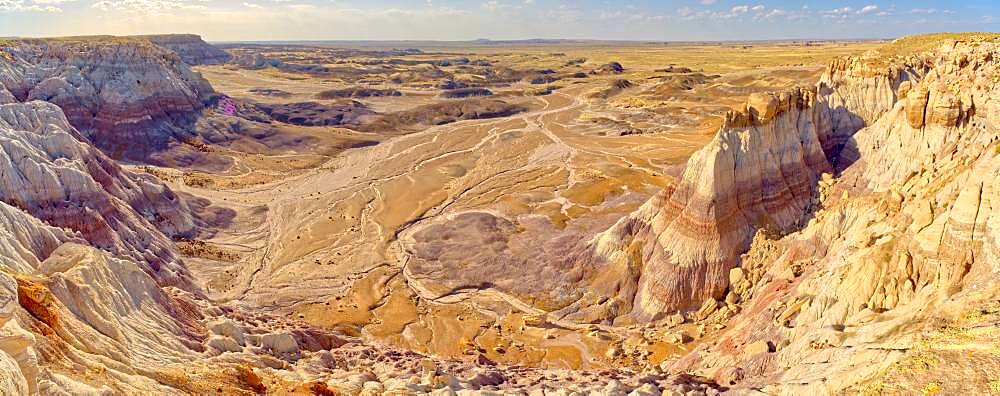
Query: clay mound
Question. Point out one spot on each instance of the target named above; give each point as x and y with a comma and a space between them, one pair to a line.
452, 84
270, 92
356, 92
670, 85
674, 69
318, 114
544, 79
442, 113
191, 48
609, 68
419, 75
466, 93
614, 88
257, 61
127, 96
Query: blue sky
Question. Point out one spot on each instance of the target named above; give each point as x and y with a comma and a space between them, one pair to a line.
221, 20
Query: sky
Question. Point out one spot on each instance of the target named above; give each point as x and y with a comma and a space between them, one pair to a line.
247, 20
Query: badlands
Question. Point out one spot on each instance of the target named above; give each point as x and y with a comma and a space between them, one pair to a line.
537, 217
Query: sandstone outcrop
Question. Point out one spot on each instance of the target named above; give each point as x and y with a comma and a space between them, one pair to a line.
904, 238
760, 172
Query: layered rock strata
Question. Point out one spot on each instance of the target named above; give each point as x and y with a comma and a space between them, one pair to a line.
760, 171
898, 269
125, 95
48, 172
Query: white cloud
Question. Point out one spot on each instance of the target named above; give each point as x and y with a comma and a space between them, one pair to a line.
776, 13
146, 6
252, 5
708, 2
842, 12
740, 9
492, 5
758, 7
929, 11
28, 6
868, 9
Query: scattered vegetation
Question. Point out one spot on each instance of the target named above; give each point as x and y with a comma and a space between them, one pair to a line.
932, 388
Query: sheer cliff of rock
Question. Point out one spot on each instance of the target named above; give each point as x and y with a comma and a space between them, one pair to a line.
760, 172
902, 245
47, 171
127, 96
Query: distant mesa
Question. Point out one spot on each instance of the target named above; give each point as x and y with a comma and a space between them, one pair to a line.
191, 48
442, 113
348, 112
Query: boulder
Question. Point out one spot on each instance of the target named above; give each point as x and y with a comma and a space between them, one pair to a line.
223, 344
228, 328
282, 343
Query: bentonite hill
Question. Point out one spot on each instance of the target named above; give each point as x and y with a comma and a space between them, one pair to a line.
537, 217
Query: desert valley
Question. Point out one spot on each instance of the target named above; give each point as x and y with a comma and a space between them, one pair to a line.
500, 217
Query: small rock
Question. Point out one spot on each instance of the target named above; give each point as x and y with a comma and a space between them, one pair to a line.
707, 308
488, 377
279, 343
223, 344
758, 347
646, 389
227, 327
736, 275
675, 319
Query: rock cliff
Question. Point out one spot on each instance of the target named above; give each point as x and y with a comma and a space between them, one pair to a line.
896, 266
127, 96
760, 172
48, 172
